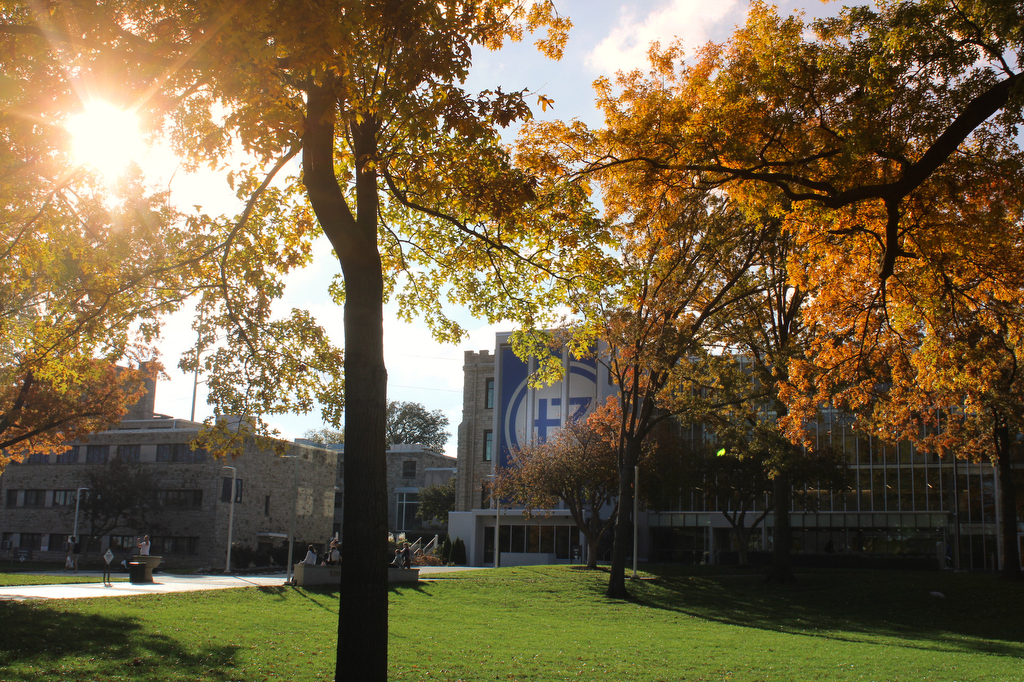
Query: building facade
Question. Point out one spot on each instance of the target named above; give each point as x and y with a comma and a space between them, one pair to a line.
903, 504
191, 511
500, 412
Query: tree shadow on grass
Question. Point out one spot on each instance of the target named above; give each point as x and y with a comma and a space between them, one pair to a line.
40, 642
975, 613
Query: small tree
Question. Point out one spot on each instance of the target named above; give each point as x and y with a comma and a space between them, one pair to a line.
121, 495
576, 466
458, 555
436, 501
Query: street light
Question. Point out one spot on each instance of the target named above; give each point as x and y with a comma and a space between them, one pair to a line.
78, 499
231, 516
291, 524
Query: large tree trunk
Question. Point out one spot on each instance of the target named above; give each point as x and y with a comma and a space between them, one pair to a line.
363, 612
1008, 505
782, 564
623, 521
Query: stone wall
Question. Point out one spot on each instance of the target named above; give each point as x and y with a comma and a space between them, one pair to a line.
477, 421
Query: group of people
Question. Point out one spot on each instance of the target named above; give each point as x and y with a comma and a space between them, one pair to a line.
403, 557
331, 556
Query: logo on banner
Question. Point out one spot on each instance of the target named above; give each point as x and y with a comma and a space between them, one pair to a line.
547, 407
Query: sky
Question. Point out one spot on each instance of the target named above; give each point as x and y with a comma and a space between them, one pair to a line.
606, 37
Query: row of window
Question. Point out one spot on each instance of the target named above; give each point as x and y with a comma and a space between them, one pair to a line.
101, 454
189, 499
58, 542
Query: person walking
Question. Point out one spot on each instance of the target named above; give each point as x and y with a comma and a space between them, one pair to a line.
71, 562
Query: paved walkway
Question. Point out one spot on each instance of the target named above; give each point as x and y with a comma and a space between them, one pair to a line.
163, 583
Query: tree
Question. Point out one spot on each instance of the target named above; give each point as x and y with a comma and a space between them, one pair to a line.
739, 480
121, 495
852, 131
325, 436
436, 501
795, 109
88, 270
403, 172
577, 466
657, 313
409, 422
40, 414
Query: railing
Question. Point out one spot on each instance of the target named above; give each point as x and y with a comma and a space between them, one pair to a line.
431, 546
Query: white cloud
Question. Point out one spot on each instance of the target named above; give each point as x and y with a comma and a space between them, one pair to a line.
693, 21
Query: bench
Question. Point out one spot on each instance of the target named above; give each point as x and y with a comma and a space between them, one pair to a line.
308, 574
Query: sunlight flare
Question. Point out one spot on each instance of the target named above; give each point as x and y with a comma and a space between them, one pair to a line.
106, 138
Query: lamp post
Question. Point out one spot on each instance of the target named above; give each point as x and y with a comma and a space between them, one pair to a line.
78, 500
231, 516
291, 523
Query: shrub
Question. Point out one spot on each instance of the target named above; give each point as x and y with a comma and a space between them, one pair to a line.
446, 550
458, 552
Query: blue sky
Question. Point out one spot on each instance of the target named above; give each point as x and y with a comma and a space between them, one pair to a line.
607, 36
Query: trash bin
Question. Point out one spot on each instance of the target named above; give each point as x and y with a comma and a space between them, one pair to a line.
136, 572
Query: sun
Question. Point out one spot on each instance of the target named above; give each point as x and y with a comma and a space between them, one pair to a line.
106, 138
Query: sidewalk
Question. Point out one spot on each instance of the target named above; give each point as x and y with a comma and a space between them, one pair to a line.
163, 583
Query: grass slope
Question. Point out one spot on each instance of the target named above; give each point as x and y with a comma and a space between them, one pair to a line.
547, 623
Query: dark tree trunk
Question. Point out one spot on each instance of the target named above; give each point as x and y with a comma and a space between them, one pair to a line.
623, 540
363, 612
782, 564
1008, 505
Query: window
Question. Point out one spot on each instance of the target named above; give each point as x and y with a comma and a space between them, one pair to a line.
129, 453
408, 505
179, 452
409, 468
59, 543
34, 498
225, 490
96, 454
339, 499
488, 445
190, 499
174, 545
69, 456
122, 543
12, 498
485, 495
489, 395
266, 506
31, 541
37, 458
63, 498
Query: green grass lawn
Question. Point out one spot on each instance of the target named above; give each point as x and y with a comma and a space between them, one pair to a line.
11, 579
547, 623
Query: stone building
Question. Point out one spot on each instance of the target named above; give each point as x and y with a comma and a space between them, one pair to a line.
188, 522
476, 432
412, 468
